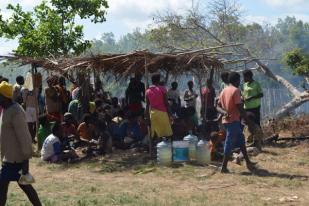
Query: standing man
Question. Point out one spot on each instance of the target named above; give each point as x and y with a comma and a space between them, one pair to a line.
225, 80
52, 99
174, 98
16, 145
135, 94
252, 96
231, 106
208, 109
29, 102
190, 97
17, 94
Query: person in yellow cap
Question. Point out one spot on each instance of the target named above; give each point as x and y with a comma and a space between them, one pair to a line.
16, 146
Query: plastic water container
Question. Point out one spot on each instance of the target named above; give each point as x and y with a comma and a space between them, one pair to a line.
164, 153
203, 152
192, 140
180, 151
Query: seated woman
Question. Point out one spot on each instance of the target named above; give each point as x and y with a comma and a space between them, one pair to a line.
102, 137
52, 150
68, 126
86, 129
130, 132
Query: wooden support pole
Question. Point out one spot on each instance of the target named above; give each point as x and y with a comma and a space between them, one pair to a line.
35, 92
146, 87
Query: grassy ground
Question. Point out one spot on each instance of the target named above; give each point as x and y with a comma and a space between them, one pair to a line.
283, 179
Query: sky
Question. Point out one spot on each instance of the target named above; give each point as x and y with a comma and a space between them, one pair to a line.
124, 16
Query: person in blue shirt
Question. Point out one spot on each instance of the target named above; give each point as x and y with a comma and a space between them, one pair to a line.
129, 130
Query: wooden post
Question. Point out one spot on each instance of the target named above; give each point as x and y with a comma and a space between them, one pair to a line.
33, 71
199, 78
146, 87
166, 77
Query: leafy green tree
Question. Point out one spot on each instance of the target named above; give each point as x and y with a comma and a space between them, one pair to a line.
298, 61
50, 29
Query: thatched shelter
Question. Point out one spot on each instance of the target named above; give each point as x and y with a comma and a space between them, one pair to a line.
194, 62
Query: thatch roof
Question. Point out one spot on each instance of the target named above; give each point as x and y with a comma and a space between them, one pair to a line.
196, 61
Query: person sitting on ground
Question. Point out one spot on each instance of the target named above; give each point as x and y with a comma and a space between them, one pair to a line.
130, 131
216, 145
230, 105
253, 132
44, 130
17, 94
52, 150
173, 96
86, 129
69, 126
102, 135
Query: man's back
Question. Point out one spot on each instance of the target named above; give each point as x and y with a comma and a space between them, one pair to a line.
51, 146
16, 141
229, 98
155, 95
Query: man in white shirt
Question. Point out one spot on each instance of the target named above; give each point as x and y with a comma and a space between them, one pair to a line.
190, 99
51, 149
173, 96
190, 96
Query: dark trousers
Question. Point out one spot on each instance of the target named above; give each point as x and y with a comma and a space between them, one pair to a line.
10, 172
257, 114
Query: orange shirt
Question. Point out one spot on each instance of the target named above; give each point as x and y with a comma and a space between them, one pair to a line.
229, 98
85, 132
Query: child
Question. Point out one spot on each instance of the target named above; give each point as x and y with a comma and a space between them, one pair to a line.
216, 145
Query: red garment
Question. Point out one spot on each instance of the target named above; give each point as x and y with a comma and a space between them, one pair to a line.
135, 107
69, 130
54, 117
155, 95
209, 96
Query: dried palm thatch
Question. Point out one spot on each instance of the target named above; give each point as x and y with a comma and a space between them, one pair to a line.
195, 62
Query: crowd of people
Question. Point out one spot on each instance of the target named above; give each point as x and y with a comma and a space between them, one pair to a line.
142, 118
